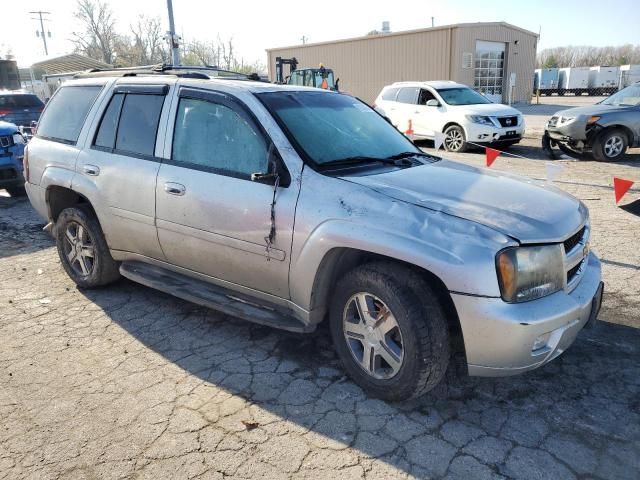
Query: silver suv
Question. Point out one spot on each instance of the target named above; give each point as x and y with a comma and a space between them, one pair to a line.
287, 206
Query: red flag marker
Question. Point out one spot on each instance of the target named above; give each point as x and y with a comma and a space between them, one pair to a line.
491, 155
620, 187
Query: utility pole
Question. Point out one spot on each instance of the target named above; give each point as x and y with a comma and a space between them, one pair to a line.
41, 31
304, 39
174, 40
432, 22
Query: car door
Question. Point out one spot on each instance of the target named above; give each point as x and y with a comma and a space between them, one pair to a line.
428, 119
214, 215
121, 166
405, 108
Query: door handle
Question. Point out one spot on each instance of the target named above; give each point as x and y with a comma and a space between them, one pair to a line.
91, 170
174, 188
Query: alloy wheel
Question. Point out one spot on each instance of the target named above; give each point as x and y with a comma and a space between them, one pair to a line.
373, 335
613, 146
79, 249
454, 140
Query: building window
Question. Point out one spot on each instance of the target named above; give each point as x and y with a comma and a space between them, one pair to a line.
467, 60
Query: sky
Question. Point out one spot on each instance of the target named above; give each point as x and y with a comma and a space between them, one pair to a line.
256, 25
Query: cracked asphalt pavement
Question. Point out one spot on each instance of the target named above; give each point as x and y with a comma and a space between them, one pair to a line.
127, 382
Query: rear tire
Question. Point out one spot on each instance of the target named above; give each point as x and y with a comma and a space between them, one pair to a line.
455, 140
408, 327
610, 145
83, 250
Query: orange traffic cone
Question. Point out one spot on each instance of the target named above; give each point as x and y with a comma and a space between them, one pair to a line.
325, 84
409, 132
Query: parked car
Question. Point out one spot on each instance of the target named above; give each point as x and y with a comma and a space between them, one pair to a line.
11, 152
20, 108
462, 114
289, 206
605, 129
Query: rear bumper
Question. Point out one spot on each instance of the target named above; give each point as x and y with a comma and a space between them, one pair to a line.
499, 336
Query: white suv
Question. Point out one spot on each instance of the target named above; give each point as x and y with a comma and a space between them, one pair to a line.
462, 114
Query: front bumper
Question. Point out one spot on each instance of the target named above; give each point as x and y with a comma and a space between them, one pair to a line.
486, 134
499, 336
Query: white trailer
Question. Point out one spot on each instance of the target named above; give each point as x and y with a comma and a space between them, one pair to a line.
629, 74
603, 80
545, 80
573, 80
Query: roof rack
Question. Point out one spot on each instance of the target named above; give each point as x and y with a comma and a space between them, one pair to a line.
188, 71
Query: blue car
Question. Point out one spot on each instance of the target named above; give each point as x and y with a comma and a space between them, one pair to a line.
20, 108
12, 145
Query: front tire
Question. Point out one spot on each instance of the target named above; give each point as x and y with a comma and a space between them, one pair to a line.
610, 145
390, 331
83, 250
455, 140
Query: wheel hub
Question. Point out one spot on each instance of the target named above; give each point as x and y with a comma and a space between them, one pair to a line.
373, 336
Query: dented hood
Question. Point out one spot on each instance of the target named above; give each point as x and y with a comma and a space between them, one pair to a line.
529, 211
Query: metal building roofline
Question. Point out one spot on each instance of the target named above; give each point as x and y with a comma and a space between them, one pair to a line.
408, 32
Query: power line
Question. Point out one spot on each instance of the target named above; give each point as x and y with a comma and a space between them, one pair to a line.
41, 32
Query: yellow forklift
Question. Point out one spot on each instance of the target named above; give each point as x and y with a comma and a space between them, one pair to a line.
320, 77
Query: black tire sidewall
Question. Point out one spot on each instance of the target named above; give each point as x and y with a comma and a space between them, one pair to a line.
406, 308
103, 265
464, 138
598, 147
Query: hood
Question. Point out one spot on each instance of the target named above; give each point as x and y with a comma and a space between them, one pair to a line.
7, 128
489, 109
591, 110
531, 212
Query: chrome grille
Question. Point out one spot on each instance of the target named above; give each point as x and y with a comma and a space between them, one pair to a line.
576, 249
508, 121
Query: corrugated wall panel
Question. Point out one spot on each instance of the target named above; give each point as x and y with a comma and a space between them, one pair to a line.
366, 64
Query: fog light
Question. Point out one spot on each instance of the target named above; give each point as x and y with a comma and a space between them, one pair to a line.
541, 342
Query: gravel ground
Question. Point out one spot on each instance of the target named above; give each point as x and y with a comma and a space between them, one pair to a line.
126, 382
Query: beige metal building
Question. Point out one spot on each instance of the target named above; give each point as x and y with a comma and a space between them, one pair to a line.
486, 56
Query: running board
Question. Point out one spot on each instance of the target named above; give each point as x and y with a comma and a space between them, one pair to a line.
213, 296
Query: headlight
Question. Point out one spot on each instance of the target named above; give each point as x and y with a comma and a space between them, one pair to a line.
567, 119
18, 138
480, 119
527, 273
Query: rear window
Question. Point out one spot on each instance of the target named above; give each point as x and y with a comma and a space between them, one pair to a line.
408, 95
20, 101
64, 116
390, 94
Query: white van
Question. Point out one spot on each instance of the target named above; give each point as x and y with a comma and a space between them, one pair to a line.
462, 114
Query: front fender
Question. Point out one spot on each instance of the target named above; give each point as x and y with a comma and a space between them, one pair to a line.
459, 252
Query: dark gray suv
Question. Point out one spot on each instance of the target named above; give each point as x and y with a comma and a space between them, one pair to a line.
606, 129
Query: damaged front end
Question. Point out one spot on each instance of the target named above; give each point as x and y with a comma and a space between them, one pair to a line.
12, 144
574, 136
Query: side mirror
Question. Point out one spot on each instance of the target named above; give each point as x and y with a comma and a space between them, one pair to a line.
276, 169
337, 84
433, 103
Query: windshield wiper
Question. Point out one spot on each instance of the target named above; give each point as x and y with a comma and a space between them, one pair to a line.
404, 155
358, 160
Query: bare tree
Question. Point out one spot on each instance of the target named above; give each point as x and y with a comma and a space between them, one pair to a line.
98, 37
144, 46
586, 56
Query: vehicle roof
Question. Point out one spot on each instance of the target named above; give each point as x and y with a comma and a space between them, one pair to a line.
236, 84
430, 83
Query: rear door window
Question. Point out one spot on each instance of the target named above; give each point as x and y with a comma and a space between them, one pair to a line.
106, 137
64, 116
390, 94
138, 125
408, 95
